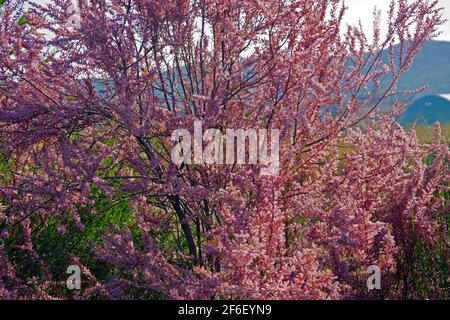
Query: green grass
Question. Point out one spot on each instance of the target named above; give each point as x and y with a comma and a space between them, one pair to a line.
425, 133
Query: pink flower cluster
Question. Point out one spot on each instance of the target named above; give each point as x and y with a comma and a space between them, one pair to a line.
86, 115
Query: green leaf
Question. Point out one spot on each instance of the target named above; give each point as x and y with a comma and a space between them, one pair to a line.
71, 98
22, 21
2, 2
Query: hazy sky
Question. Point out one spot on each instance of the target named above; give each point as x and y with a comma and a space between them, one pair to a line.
363, 9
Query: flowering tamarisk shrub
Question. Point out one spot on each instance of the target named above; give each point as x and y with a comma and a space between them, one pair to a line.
87, 114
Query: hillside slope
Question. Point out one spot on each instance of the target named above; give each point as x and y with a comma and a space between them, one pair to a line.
431, 67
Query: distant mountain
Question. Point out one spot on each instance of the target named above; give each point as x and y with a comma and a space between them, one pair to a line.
431, 67
428, 110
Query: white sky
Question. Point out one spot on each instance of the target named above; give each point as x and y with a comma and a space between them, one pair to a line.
363, 9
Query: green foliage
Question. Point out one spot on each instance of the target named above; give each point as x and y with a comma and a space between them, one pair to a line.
22, 21
431, 269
